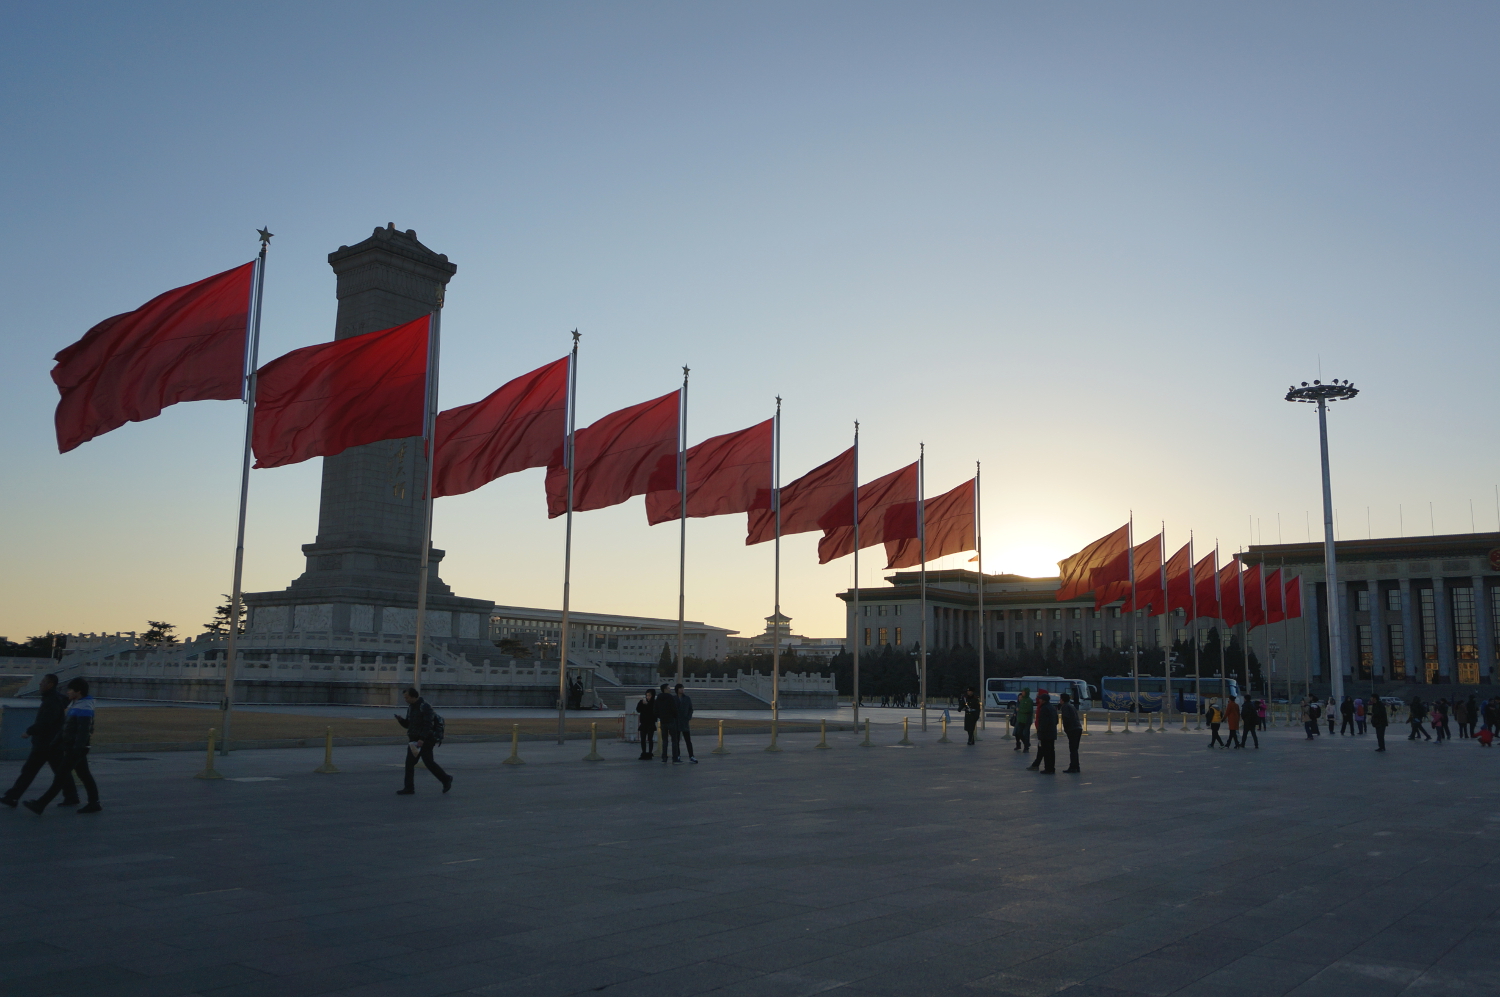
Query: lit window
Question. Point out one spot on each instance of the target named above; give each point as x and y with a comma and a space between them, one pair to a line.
883, 636
899, 641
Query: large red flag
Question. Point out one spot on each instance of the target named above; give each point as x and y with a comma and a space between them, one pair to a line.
1294, 598
187, 345
321, 400
1075, 572
725, 474
948, 521
1180, 580
1205, 586
805, 501
629, 452
1148, 593
1231, 609
1275, 612
1255, 607
519, 425
877, 500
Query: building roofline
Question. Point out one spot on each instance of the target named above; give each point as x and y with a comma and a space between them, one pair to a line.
1377, 549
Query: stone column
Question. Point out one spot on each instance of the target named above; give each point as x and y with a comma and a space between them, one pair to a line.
1380, 667
1484, 629
1443, 607
1412, 636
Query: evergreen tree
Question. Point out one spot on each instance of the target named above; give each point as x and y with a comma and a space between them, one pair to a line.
220, 623
158, 632
666, 664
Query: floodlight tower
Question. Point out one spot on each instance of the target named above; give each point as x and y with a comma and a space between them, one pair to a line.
1322, 394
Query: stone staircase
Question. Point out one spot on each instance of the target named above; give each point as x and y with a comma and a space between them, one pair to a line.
626, 696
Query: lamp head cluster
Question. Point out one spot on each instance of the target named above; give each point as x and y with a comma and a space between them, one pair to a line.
1334, 391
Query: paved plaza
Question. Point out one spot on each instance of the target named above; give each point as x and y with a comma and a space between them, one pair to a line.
936, 869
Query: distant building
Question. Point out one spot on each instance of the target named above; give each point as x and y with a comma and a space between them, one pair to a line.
779, 630
630, 645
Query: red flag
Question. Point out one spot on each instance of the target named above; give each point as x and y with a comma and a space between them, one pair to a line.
1205, 586
321, 400
187, 345
1255, 607
948, 521
805, 501
1231, 609
1075, 572
629, 452
1294, 598
1148, 593
519, 425
877, 500
726, 474
1275, 613
1180, 580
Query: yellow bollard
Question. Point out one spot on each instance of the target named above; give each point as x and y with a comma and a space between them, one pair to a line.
866, 742
1125, 724
944, 738
593, 744
720, 750
1150, 718
209, 772
515, 746
772, 745
905, 731
1085, 722
1184, 724
1109, 715
823, 725
327, 768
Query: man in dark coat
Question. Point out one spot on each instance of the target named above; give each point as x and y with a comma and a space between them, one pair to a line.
684, 719
1379, 719
49, 720
1046, 735
1346, 711
646, 710
969, 703
666, 718
421, 737
1073, 727
69, 752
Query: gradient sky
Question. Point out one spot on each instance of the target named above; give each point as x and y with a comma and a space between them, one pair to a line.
1088, 244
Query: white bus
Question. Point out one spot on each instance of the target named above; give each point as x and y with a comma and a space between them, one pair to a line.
1000, 694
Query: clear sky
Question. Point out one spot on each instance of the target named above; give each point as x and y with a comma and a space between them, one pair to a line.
1088, 244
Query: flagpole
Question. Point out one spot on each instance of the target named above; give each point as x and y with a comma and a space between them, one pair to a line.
1265, 666
776, 600
1223, 660
1192, 627
251, 362
856, 631
569, 464
429, 439
1166, 633
1285, 640
682, 498
922, 550
1244, 623
1135, 650
984, 630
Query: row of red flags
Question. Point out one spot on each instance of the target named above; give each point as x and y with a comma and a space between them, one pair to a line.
189, 344
1202, 590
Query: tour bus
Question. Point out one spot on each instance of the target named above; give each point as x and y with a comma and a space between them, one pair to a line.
1000, 694
1118, 692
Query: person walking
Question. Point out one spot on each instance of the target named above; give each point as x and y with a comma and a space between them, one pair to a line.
1024, 711
1232, 718
645, 711
1379, 719
1250, 717
1439, 720
666, 719
969, 704
1261, 713
49, 720
1215, 718
1360, 716
1346, 712
1046, 735
1073, 727
70, 752
1415, 718
684, 716
424, 731
1331, 714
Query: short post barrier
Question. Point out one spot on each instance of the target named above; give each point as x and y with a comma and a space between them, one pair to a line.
1184, 724
772, 746
209, 772
944, 738
1085, 714
905, 731
866, 742
1125, 725
823, 742
515, 746
327, 768
720, 750
593, 755
1109, 716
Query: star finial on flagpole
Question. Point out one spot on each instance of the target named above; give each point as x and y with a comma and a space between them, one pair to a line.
265, 235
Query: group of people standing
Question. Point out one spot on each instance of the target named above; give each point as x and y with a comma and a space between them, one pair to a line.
59, 739
1357, 715
671, 711
1474, 719
1046, 717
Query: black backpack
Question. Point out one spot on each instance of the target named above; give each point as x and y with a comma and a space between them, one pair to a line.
437, 727
1314, 711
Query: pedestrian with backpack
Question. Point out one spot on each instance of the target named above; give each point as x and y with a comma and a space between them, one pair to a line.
1215, 718
424, 731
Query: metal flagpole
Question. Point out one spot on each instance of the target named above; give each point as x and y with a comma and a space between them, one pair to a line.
252, 361
984, 630
855, 635
776, 602
922, 552
429, 439
1223, 658
1166, 633
1197, 651
682, 498
1285, 640
1135, 650
570, 464
1244, 625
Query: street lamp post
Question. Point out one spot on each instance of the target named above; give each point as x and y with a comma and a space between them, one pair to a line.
1322, 394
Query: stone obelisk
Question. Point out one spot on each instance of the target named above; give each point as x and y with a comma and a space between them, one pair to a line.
361, 575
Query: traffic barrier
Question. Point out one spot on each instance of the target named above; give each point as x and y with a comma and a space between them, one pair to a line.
866, 742
593, 755
1109, 716
1125, 724
823, 742
944, 738
1184, 724
327, 768
905, 731
772, 746
1085, 722
515, 746
720, 750
209, 772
